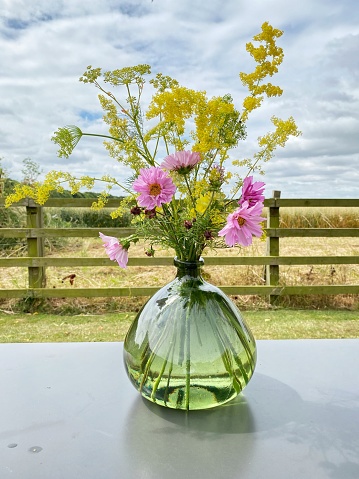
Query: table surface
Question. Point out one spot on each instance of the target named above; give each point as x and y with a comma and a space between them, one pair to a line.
67, 410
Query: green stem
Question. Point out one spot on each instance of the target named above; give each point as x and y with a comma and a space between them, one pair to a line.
209, 204
111, 181
252, 167
134, 112
158, 380
210, 163
188, 358
115, 182
166, 393
190, 192
223, 345
146, 155
152, 356
103, 136
139, 151
242, 337
228, 345
168, 225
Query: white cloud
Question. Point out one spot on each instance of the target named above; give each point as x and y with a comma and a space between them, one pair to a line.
46, 45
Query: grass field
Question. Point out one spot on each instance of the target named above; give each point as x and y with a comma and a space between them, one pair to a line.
270, 324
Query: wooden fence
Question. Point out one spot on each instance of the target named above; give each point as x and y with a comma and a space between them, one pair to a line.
36, 260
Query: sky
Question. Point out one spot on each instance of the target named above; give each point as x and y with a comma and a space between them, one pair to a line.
46, 45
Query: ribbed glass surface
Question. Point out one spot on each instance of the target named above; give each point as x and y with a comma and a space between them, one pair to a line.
189, 347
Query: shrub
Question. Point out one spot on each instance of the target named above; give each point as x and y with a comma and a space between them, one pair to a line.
11, 218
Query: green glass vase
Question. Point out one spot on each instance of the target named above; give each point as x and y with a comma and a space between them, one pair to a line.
189, 348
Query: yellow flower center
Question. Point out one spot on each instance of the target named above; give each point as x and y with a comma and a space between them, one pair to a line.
155, 189
241, 221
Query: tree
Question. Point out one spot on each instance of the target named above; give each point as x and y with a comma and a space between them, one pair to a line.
2, 179
31, 171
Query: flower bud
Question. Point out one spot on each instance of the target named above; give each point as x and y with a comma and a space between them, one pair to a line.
150, 213
136, 210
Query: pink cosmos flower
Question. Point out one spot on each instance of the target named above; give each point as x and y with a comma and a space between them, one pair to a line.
155, 186
115, 250
243, 224
252, 192
181, 161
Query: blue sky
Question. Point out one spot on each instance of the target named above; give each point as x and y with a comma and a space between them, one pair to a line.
46, 45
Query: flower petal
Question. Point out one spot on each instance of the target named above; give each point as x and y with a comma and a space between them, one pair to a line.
149, 177
114, 250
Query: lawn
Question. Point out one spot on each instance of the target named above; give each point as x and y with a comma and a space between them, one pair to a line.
265, 324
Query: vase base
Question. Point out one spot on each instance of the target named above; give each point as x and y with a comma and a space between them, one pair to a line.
192, 407
195, 396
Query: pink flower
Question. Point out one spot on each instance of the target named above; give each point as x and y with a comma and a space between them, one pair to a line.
252, 192
155, 186
243, 224
115, 250
181, 161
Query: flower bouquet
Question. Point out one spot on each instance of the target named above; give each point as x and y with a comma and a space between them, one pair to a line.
181, 192
188, 348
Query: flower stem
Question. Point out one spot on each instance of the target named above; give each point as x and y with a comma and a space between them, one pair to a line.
188, 357
190, 192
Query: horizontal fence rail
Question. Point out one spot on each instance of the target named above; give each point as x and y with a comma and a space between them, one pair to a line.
122, 232
269, 202
36, 262
168, 261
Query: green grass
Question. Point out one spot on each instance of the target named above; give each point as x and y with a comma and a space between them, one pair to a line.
299, 324
267, 324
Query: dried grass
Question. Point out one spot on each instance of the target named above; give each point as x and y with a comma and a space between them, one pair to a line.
112, 276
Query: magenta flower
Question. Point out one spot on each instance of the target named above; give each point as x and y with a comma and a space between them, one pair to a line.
115, 250
181, 161
155, 186
243, 224
252, 192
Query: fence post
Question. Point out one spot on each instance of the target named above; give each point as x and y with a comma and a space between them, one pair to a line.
272, 271
35, 246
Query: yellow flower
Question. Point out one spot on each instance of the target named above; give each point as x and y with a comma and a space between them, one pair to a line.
217, 125
203, 202
268, 57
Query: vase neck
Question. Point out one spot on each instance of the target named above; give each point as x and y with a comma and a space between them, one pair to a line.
188, 268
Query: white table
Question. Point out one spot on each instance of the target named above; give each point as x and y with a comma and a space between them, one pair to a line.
68, 411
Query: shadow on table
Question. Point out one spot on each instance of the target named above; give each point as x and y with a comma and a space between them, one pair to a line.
262, 406
228, 440
213, 443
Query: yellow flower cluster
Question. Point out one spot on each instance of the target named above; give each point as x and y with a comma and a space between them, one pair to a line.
125, 148
216, 120
214, 177
123, 207
202, 204
217, 126
199, 187
267, 146
269, 142
39, 192
122, 76
205, 204
268, 57
54, 181
173, 108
